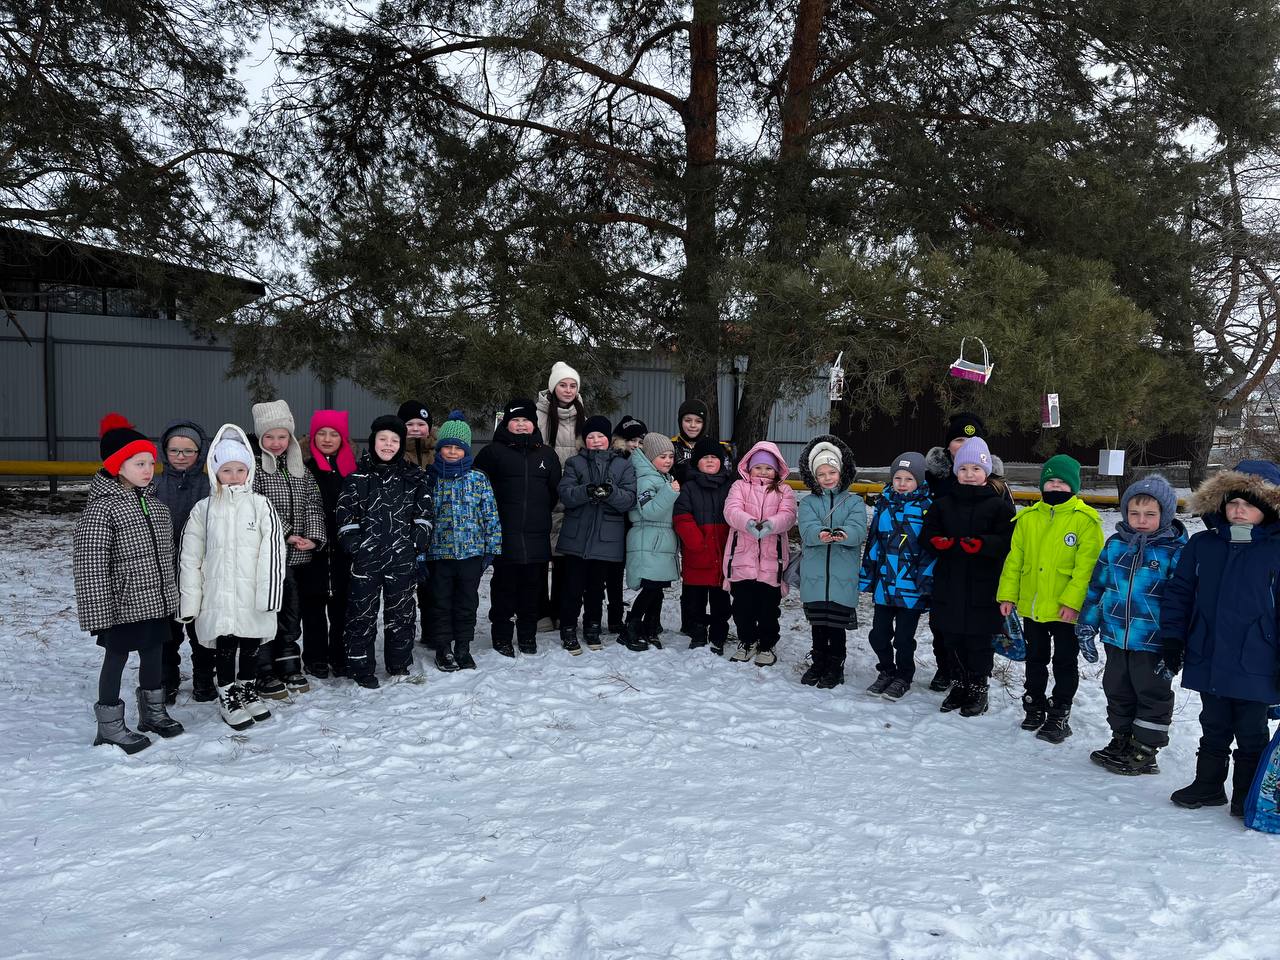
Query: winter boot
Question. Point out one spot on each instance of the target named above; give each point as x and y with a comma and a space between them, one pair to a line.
397, 671
615, 626
1135, 760
569, 640
941, 680
1036, 711
896, 690
111, 728
767, 658
975, 704
318, 670
630, 637
297, 683
203, 688
527, 645
831, 677
1114, 752
591, 636
153, 717
744, 652
271, 688
251, 701
1056, 728
234, 713
170, 696
503, 647
698, 636
880, 684
956, 697
369, 682
463, 658
445, 662
653, 638
1207, 788
1242, 773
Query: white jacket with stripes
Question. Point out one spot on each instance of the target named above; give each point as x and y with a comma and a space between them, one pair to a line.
232, 562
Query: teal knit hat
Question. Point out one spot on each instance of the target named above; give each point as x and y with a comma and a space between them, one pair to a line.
454, 430
1064, 468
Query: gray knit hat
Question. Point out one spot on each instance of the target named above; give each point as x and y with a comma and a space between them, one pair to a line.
912, 462
655, 445
1158, 489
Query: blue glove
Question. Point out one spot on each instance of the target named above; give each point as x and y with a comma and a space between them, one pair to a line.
755, 531
1085, 636
420, 568
766, 528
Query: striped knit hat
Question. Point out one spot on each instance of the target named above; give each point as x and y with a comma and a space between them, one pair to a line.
118, 441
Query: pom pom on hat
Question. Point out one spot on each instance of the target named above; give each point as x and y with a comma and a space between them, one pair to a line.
119, 441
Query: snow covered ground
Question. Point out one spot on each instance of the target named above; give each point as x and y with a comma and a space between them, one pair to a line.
667, 804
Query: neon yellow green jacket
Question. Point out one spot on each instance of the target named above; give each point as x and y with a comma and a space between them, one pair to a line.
1051, 560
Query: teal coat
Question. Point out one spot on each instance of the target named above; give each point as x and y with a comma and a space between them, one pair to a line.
829, 571
652, 546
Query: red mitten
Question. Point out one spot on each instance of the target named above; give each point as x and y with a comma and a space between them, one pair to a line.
942, 543
970, 544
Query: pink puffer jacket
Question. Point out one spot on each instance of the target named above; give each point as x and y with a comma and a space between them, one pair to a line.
750, 500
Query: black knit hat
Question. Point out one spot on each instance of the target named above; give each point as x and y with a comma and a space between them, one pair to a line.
413, 410
629, 428
519, 407
706, 447
118, 441
696, 407
596, 424
967, 425
387, 422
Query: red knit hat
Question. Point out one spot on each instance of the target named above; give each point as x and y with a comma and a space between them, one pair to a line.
120, 440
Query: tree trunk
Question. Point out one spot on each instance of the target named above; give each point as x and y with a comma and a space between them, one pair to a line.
760, 388
1202, 446
700, 338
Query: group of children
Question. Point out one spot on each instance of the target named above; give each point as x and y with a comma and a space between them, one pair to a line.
244, 552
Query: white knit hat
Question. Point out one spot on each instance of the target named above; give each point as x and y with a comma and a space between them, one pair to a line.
229, 451
562, 371
825, 454
272, 415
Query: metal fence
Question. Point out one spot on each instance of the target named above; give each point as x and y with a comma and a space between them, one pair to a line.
58, 380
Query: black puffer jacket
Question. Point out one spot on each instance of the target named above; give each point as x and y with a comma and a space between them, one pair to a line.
964, 584
524, 473
596, 530
384, 518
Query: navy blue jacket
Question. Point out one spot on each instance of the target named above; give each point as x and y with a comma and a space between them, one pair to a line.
1221, 603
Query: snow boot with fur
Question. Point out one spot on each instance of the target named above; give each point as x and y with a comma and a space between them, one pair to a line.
112, 729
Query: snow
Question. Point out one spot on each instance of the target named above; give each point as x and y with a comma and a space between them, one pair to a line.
614, 805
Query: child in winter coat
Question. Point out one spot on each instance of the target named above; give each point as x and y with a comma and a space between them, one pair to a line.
467, 538
969, 530
693, 416
1055, 544
651, 542
181, 485
1123, 605
525, 475
897, 570
384, 526
833, 526
232, 575
1219, 619
324, 584
597, 489
698, 519
282, 479
126, 593
420, 451
626, 437
760, 510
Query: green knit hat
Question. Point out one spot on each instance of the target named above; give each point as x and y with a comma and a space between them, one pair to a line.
454, 430
1064, 468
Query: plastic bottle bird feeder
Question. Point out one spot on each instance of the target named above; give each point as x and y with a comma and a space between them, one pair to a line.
836, 380
1050, 412
971, 369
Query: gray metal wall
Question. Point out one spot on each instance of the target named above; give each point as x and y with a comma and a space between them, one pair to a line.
152, 370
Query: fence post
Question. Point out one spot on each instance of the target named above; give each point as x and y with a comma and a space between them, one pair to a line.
50, 397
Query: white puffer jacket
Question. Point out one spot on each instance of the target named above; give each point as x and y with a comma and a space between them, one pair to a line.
231, 579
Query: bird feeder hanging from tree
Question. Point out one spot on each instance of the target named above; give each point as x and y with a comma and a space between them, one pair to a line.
978, 372
836, 381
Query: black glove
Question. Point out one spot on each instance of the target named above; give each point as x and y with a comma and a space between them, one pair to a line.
600, 492
1171, 649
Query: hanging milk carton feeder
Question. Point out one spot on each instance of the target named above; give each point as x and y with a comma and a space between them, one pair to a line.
971, 369
836, 381
1111, 463
1050, 411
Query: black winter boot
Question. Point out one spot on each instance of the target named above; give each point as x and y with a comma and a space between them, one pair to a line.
1136, 760
1113, 752
591, 636
697, 636
569, 640
941, 679
1207, 788
1242, 773
504, 647
956, 697
1035, 710
112, 729
463, 658
153, 717
976, 703
445, 662
631, 639
831, 678
1056, 728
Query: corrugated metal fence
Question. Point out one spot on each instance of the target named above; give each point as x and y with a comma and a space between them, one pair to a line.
70, 369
